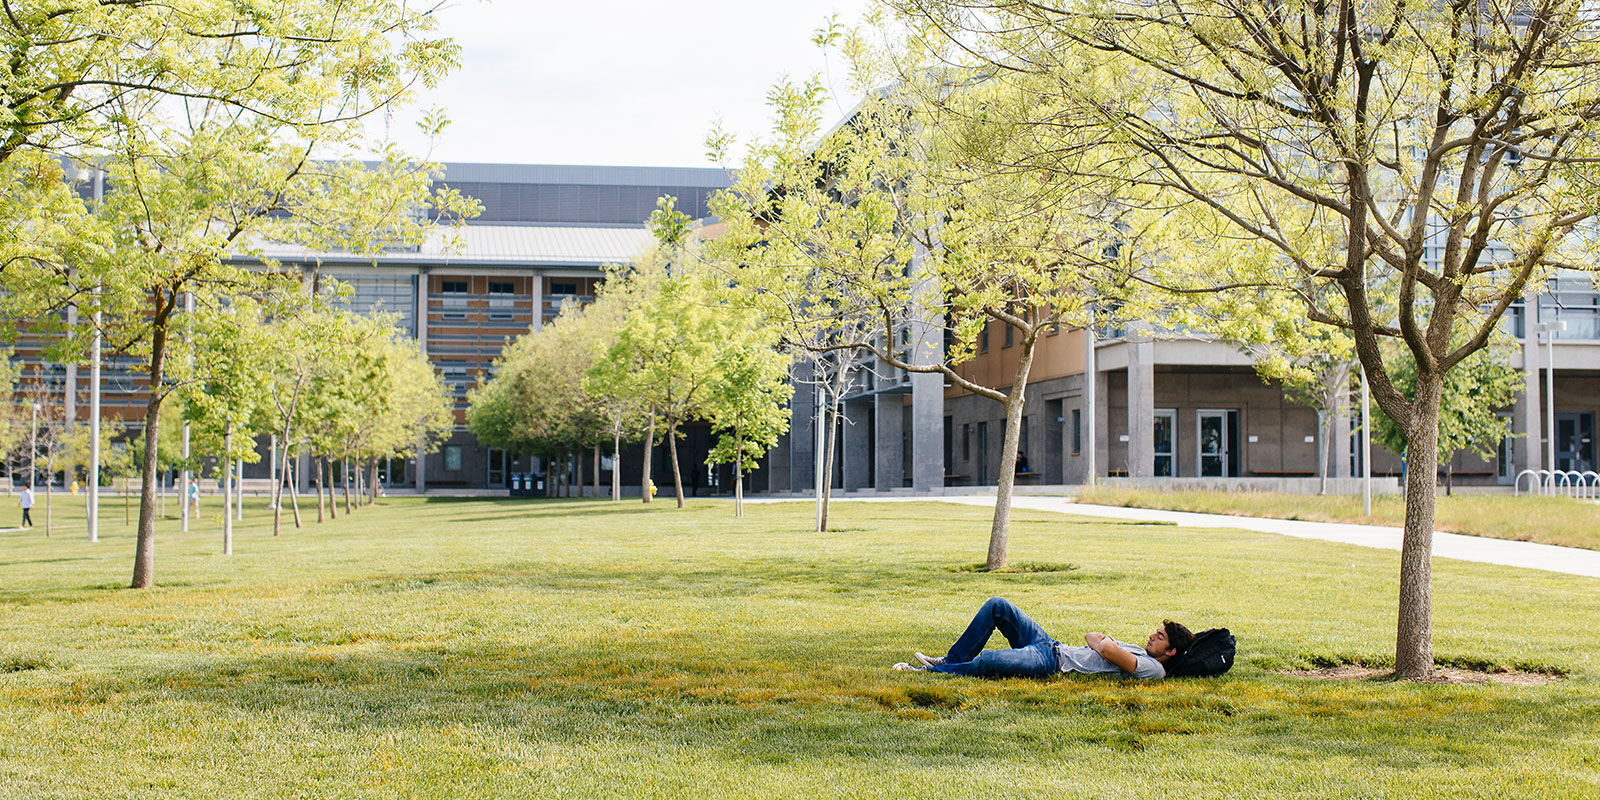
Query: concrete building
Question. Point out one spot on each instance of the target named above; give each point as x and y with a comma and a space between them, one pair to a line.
1175, 410
544, 238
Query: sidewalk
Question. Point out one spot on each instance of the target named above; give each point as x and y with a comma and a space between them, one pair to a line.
1530, 555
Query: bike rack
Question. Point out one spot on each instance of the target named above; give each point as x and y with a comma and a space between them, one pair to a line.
1516, 483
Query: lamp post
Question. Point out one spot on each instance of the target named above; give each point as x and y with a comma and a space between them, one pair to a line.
1550, 329
33, 450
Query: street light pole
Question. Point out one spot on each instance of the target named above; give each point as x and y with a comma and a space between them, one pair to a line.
33, 451
1550, 329
94, 392
1366, 448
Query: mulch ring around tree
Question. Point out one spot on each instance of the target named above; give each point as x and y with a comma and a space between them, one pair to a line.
1450, 675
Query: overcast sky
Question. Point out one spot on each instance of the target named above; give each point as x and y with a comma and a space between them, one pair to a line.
615, 82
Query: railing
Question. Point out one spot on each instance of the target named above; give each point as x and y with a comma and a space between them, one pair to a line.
1571, 483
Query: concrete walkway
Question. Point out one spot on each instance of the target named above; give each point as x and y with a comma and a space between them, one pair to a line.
1569, 560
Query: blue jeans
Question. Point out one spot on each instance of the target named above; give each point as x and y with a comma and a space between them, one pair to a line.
1033, 653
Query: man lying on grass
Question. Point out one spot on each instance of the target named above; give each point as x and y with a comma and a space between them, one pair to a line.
1035, 655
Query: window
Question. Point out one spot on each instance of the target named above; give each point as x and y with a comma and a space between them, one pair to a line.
1165, 431
1077, 431
502, 287
1010, 334
563, 287
453, 287
452, 458
1506, 453
983, 338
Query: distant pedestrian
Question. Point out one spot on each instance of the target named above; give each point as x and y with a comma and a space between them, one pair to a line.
194, 497
27, 506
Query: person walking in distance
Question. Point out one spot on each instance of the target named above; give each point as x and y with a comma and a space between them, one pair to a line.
27, 506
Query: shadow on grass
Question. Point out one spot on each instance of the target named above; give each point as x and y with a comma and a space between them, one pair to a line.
639, 692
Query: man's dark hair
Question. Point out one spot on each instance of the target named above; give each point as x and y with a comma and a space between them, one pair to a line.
1178, 636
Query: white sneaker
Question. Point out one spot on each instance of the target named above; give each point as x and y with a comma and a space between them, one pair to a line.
929, 661
904, 667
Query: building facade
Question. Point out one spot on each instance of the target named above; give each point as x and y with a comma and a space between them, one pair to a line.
544, 239
1170, 409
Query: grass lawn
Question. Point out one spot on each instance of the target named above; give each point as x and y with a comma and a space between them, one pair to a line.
498, 648
1529, 518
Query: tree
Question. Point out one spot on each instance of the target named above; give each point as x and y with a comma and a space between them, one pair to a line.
914, 215
1468, 401
666, 351
206, 122
1419, 168
747, 406
536, 402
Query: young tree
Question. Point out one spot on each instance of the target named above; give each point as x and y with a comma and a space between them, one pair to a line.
914, 214
666, 352
1468, 403
1442, 152
748, 405
206, 122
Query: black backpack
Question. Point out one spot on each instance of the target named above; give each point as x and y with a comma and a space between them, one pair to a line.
1210, 654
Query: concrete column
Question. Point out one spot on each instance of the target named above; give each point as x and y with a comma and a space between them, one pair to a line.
1340, 468
889, 430
1099, 426
421, 477
1530, 407
537, 282
1141, 409
802, 431
857, 444
926, 348
69, 399
927, 432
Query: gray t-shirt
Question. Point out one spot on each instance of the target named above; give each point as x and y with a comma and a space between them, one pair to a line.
1077, 658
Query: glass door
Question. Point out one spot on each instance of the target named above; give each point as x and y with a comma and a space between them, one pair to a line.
1218, 443
497, 468
1505, 454
1166, 433
1575, 441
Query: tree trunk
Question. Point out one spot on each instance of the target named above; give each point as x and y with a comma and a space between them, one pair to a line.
616, 466
294, 491
1324, 441
596, 469
649, 457
372, 480
325, 481
227, 491
49, 477
144, 556
345, 463
1413, 656
1000, 530
738, 474
672, 450
317, 472
830, 417
282, 469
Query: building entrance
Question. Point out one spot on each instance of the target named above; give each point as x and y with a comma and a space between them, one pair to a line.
1219, 443
1575, 441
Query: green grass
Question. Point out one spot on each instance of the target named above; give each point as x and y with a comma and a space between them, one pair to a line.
1528, 518
496, 648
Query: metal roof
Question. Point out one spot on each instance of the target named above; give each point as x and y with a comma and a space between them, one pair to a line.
709, 178
498, 245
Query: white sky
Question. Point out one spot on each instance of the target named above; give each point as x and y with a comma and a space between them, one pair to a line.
615, 82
